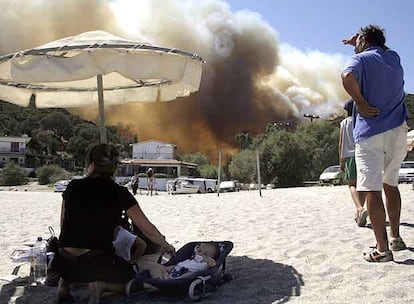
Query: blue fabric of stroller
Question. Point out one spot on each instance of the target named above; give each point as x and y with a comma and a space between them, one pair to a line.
179, 286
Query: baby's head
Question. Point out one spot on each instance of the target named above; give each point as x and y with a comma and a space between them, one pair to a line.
209, 249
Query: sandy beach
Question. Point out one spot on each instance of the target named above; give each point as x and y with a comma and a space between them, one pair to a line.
296, 245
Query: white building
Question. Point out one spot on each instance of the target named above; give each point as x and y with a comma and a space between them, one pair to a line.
159, 156
13, 149
153, 149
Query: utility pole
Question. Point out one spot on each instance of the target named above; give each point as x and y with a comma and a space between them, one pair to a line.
258, 172
311, 116
219, 173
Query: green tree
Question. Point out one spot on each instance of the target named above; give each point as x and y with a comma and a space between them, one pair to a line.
243, 166
85, 134
59, 123
208, 171
320, 141
196, 158
282, 159
244, 140
48, 141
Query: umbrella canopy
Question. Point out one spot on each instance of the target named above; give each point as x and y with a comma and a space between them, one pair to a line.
79, 70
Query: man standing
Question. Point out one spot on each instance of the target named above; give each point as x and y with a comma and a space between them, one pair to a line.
374, 79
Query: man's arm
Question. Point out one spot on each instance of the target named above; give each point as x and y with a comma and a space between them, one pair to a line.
351, 86
62, 215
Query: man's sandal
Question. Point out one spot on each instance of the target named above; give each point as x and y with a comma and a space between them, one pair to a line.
397, 244
378, 256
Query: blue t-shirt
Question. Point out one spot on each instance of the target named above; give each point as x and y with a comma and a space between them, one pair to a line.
380, 77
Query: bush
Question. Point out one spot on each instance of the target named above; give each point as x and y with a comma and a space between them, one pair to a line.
50, 174
13, 175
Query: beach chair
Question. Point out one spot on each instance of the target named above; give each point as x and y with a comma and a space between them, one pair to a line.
200, 284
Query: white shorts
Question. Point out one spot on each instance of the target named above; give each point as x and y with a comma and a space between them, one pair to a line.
379, 157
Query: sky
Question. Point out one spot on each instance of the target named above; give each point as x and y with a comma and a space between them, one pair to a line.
322, 24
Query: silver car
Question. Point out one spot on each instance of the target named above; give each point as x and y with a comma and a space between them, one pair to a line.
332, 175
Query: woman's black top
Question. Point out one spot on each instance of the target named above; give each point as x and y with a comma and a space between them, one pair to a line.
93, 207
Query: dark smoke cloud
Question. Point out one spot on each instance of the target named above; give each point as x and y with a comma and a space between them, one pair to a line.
249, 79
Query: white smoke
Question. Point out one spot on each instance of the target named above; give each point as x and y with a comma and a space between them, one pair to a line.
250, 79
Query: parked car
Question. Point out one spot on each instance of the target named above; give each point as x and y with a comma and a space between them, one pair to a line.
205, 184
229, 186
61, 185
332, 175
181, 186
406, 173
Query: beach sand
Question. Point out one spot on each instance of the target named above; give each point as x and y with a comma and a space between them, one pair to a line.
296, 245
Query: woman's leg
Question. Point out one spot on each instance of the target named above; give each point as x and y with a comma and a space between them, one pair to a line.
63, 291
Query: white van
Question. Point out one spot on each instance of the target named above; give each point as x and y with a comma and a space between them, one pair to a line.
206, 185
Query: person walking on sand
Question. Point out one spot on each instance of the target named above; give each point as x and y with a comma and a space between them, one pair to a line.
135, 183
150, 181
347, 163
374, 79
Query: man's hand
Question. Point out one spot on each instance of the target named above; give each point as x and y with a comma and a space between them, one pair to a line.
351, 41
366, 110
351, 86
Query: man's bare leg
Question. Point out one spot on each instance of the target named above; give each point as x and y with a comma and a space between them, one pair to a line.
393, 203
376, 213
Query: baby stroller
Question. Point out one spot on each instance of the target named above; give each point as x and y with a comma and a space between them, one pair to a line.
199, 284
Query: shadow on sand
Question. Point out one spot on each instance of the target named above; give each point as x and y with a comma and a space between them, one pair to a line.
254, 281
387, 224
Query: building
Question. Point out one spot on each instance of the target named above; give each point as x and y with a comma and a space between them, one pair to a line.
167, 167
159, 156
153, 149
13, 149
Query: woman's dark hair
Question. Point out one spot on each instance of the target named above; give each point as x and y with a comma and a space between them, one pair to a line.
374, 35
105, 159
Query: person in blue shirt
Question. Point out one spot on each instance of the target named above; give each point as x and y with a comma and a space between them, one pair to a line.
374, 79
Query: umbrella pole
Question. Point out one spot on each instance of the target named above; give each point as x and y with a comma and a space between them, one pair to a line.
102, 129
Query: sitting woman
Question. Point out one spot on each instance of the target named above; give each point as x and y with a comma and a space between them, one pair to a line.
91, 211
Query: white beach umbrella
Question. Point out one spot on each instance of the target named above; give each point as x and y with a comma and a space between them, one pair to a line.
410, 140
80, 70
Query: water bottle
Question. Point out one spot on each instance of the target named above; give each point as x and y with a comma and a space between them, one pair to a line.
39, 261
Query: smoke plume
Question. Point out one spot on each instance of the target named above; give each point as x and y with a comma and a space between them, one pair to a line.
249, 80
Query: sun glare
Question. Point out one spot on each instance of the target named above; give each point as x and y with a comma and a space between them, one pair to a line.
126, 14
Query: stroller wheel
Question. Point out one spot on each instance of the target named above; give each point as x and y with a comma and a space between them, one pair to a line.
199, 289
196, 289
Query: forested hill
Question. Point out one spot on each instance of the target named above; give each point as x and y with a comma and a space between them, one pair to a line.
57, 132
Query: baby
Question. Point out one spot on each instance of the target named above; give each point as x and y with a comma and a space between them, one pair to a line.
203, 258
